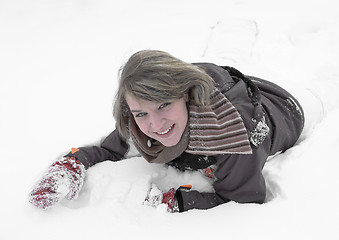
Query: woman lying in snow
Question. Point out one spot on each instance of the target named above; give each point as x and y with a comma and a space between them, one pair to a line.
199, 117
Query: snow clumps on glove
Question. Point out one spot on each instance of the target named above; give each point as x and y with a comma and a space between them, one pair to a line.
156, 197
64, 179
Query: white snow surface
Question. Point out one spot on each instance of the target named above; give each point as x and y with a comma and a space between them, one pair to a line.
59, 63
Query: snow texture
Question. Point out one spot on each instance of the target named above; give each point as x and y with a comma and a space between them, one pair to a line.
59, 62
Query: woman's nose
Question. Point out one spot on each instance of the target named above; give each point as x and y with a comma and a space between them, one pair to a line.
156, 122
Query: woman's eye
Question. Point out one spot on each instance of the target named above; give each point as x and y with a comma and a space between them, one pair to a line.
164, 105
140, 114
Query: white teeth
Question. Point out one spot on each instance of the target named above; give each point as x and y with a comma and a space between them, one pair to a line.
166, 131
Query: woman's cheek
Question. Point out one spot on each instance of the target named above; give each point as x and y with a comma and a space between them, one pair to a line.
142, 126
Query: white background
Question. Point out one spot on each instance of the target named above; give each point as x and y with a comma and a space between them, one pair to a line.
59, 62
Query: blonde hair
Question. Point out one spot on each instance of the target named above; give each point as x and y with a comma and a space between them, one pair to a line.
158, 77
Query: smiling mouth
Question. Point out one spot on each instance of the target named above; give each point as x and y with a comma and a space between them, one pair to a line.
166, 131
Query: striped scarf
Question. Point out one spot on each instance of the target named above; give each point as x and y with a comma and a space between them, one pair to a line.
217, 128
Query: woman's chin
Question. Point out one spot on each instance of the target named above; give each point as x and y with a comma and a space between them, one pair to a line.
168, 143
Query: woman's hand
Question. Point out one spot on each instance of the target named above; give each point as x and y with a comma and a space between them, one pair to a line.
64, 179
156, 197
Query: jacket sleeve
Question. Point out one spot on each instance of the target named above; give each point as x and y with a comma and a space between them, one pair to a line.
239, 179
113, 148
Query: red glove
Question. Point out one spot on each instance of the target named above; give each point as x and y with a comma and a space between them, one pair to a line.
63, 179
169, 199
156, 197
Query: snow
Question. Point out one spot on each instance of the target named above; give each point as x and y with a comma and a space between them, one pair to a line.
59, 64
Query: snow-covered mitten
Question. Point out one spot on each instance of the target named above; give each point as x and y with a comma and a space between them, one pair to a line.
156, 197
169, 199
64, 178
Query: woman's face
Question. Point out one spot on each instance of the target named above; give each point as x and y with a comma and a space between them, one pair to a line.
164, 122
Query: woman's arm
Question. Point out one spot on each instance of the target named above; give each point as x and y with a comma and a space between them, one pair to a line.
64, 178
113, 148
239, 179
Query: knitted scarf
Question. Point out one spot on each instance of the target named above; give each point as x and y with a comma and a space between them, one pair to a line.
211, 130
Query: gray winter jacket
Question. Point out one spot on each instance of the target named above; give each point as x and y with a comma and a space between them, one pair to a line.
273, 118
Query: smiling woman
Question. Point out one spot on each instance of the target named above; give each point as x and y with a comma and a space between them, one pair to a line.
203, 117
164, 122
